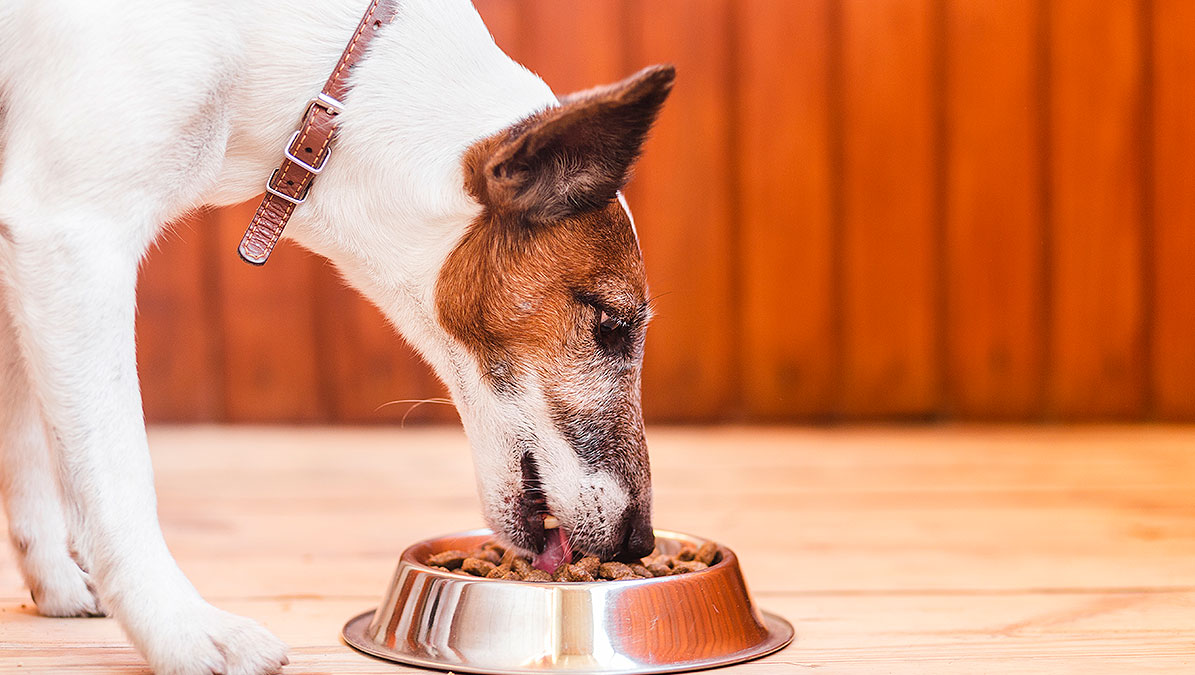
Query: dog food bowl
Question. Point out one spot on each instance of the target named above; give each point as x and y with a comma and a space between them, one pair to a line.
467, 624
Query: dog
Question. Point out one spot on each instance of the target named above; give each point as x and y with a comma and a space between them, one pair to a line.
480, 212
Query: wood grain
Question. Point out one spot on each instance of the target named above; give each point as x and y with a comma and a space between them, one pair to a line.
372, 375
179, 350
682, 200
914, 550
850, 209
574, 45
1173, 144
786, 162
1096, 355
272, 366
995, 292
889, 245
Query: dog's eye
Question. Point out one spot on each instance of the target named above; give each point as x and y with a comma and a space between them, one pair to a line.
611, 331
608, 324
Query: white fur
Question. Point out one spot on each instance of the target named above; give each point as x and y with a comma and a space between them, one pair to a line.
117, 117
575, 493
622, 200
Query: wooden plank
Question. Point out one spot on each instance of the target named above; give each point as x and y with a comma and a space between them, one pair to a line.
889, 245
682, 200
272, 362
874, 510
1097, 348
960, 549
178, 348
1021, 633
1173, 350
994, 323
787, 263
574, 46
883, 510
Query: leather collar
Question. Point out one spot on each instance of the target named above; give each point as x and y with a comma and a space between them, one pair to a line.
310, 146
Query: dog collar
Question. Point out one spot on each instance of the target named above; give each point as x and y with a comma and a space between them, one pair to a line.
309, 147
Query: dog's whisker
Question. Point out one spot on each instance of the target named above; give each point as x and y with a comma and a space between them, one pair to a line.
419, 401
415, 403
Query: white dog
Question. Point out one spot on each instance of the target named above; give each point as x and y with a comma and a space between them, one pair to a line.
476, 210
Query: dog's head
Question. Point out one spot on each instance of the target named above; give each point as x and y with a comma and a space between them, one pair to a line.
547, 294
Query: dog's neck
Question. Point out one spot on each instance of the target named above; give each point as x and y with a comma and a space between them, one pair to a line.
391, 202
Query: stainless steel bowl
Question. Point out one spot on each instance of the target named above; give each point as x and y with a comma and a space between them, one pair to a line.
465, 624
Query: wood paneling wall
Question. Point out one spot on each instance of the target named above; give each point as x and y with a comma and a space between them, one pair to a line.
850, 209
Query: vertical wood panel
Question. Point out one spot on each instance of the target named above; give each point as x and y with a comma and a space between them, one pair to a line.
993, 252
809, 184
681, 198
1174, 210
1096, 350
178, 350
503, 18
788, 255
888, 201
369, 367
574, 45
271, 368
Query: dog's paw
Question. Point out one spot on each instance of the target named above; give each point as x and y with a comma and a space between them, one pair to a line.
210, 641
60, 588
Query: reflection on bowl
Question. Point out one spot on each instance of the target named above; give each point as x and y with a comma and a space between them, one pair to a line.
454, 622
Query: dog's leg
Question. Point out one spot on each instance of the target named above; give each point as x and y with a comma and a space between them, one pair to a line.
36, 524
73, 295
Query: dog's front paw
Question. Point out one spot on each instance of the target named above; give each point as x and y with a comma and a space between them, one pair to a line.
210, 641
60, 588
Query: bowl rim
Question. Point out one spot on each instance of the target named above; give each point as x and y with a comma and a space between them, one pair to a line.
408, 557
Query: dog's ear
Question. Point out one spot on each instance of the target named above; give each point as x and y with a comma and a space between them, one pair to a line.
574, 157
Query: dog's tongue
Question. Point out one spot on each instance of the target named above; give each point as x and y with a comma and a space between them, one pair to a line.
556, 550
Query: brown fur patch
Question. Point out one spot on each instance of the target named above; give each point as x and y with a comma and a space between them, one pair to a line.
515, 295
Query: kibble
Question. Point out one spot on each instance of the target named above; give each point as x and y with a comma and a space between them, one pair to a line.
659, 568
614, 570
449, 559
492, 561
490, 555
575, 572
522, 566
590, 565
683, 566
477, 567
503, 572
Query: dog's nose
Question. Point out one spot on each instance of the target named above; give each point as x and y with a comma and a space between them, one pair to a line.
638, 538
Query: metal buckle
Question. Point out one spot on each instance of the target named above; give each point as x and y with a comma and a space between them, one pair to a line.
333, 107
327, 103
291, 156
280, 195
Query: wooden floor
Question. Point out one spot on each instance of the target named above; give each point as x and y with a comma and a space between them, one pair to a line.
891, 550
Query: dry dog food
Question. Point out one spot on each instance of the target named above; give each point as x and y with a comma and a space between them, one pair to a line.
492, 561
